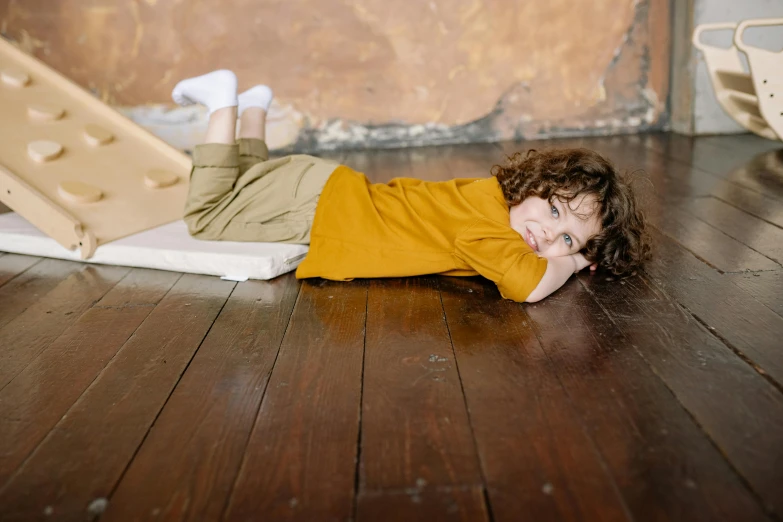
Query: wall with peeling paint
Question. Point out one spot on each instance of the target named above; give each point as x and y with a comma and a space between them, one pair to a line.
369, 73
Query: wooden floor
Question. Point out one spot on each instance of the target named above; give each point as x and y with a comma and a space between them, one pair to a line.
133, 394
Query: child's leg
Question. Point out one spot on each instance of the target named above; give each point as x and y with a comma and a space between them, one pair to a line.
253, 106
252, 147
222, 126
252, 123
216, 162
215, 172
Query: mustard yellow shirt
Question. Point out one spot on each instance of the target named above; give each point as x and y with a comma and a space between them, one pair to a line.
412, 227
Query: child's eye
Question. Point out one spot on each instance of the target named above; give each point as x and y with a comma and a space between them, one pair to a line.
555, 212
567, 239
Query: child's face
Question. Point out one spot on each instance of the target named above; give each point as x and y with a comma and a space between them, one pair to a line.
556, 229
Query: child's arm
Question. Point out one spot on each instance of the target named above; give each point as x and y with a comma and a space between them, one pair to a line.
558, 270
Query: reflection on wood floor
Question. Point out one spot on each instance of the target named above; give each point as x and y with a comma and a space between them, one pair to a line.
134, 394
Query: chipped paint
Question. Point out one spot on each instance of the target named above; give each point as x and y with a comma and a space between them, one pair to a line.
368, 73
138, 31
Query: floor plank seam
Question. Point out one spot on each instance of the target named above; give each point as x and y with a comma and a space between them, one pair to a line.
357, 471
54, 340
759, 499
487, 504
750, 272
86, 389
725, 234
113, 357
767, 509
714, 332
23, 272
239, 469
685, 248
122, 474
766, 305
762, 218
711, 173
484, 488
124, 306
743, 480
582, 423
737, 351
442, 488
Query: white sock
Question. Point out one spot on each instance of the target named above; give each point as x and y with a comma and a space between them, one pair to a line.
214, 90
258, 96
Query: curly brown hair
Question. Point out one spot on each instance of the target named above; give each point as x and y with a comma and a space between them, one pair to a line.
623, 244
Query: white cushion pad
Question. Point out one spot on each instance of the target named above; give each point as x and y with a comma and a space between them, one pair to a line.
168, 247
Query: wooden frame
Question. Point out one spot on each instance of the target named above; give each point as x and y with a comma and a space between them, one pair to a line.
753, 99
733, 86
48, 217
766, 74
100, 148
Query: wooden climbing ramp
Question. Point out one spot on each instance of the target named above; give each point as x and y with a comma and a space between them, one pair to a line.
74, 167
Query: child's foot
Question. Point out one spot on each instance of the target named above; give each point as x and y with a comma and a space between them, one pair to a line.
258, 96
214, 90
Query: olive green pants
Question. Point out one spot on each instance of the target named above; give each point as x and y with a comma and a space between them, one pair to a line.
238, 194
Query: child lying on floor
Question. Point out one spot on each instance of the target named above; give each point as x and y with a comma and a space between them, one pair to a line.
539, 219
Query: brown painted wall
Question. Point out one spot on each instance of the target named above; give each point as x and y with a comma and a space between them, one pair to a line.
374, 72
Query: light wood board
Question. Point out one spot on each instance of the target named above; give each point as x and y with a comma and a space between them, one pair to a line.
117, 167
748, 97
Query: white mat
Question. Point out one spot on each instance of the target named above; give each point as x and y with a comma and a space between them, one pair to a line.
168, 247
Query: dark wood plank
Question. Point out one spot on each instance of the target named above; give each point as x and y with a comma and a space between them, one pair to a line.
755, 332
433, 163
668, 179
24, 337
300, 462
511, 147
678, 179
428, 163
11, 265
360, 161
381, 166
706, 241
84, 456
333, 155
475, 160
749, 230
739, 409
753, 203
37, 398
633, 419
764, 171
750, 200
765, 287
538, 462
215, 404
755, 165
747, 145
21, 292
671, 145
413, 505
415, 431
744, 146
